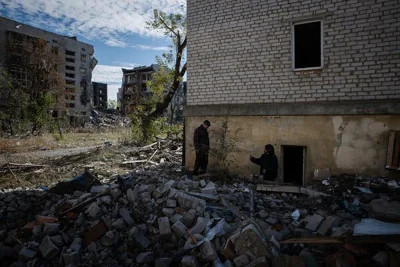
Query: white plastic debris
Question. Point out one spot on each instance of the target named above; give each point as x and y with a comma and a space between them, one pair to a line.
393, 183
326, 182
296, 215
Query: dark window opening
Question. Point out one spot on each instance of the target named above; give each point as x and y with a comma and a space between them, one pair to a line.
70, 75
70, 82
69, 68
70, 105
72, 60
293, 164
307, 45
69, 53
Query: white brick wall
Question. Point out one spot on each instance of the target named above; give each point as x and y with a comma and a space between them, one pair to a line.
240, 51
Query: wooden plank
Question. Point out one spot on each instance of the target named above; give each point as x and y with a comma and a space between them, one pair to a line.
396, 153
390, 148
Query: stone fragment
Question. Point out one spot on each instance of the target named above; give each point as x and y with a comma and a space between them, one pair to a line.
188, 217
164, 226
51, 228
343, 230
176, 217
209, 189
118, 224
171, 203
127, 218
163, 262
76, 245
71, 257
272, 221
168, 212
140, 240
381, 258
179, 229
314, 222
26, 254
132, 195
207, 251
99, 188
326, 226
199, 226
116, 193
385, 211
251, 240
93, 211
48, 249
145, 257
57, 240
203, 183
189, 261
241, 260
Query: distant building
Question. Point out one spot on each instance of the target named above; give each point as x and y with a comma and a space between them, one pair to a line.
99, 95
134, 86
77, 68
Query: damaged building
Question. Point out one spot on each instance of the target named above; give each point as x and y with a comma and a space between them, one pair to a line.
318, 79
77, 67
134, 86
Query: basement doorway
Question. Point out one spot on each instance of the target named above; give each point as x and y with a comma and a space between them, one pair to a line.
294, 164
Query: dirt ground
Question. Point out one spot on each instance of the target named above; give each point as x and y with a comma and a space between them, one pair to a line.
61, 159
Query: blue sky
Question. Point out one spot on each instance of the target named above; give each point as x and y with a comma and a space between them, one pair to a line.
116, 29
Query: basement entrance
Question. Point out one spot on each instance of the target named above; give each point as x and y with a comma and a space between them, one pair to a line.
294, 164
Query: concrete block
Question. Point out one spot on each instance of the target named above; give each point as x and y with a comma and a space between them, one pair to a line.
140, 240
99, 188
199, 226
27, 254
314, 222
326, 226
188, 217
168, 212
343, 230
171, 203
132, 195
164, 226
93, 211
189, 261
71, 257
76, 245
48, 249
242, 260
127, 217
51, 228
203, 183
145, 257
179, 229
57, 240
207, 251
176, 217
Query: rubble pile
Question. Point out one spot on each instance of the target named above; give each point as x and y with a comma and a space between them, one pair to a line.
160, 217
109, 120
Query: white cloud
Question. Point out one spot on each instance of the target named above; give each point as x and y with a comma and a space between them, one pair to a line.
148, 47
112, 76
106, 20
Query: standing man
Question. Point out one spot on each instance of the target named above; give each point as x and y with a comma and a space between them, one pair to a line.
202, 146
268, 163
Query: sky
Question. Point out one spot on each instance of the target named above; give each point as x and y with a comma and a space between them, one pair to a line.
116, 28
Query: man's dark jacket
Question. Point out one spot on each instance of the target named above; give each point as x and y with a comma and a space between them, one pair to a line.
201, 140
269, 163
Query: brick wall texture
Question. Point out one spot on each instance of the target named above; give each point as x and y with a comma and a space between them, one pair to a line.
239, 51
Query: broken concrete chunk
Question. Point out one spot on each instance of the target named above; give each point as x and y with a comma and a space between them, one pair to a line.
381, 259
179, 229
132, 195
48, 249
27, 254
199, 226
207, 251
127, 218
203, 183
139, 239
188, 217
51, 228
168, 212
176, 217
385, 211
163, 262
99, 188
251, 240
209, 189
242, 260
145, 257
57, 240
326, 226
171, 203
93, 211
189, 261
164, 226
71, 257
314, 222
76, 245
343, 230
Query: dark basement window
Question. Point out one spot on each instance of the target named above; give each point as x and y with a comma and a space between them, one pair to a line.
307, 45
